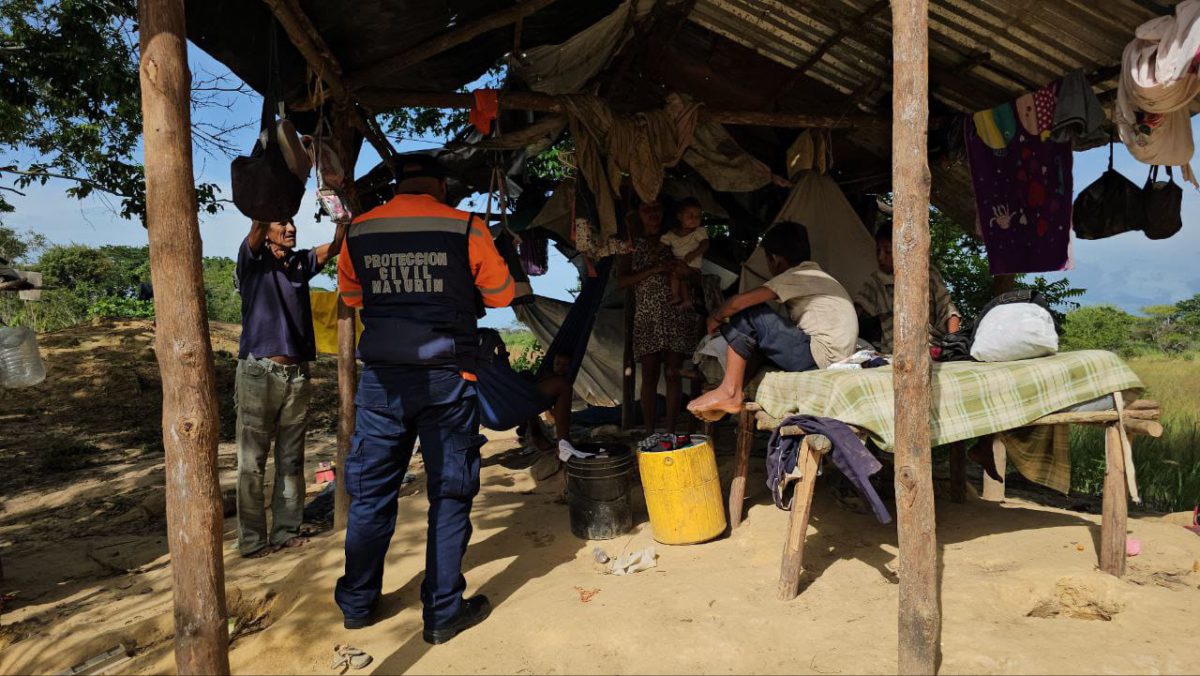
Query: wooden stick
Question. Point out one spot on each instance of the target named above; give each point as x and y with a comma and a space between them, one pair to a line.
1142, 405
1085, 417
347, 378
958, 473
920, 617
1115, 509
1148, 428
812, 447
993, 490
307, 40
189, 410
629, 371
347, 325
514, 100
427, 49
741, 467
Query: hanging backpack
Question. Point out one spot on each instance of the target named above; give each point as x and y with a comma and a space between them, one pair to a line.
1164, 205
1110, 206
264, 186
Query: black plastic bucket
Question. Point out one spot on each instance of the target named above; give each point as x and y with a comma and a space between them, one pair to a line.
599, 491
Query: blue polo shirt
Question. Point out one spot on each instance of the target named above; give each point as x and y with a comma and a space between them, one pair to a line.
276, 314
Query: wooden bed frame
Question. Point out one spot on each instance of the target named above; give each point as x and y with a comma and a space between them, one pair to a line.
1139, 417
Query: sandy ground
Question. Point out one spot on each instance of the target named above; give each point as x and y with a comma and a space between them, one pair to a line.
85, 561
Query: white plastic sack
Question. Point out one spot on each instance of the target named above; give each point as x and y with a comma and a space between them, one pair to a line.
1013, 332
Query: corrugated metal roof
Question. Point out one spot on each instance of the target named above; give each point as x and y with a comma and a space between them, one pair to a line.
981, 51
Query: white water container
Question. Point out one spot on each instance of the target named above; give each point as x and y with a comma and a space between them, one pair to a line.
20, 363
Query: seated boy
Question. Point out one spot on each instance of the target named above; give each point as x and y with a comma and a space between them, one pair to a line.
821, 327
875, 300
688, 242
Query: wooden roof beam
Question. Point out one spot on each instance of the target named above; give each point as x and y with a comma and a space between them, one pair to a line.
545, 103
308, 41
441, 43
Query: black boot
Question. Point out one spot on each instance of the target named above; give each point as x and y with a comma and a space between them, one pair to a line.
474, 610
362, 622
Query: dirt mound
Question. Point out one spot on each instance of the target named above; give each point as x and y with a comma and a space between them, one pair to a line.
83, 514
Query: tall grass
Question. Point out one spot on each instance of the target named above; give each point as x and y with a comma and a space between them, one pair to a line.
1168, 468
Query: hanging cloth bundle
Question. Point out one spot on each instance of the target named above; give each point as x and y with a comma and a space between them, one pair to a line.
1110, 206
264, 187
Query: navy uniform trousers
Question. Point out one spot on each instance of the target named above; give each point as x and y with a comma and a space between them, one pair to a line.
396, 406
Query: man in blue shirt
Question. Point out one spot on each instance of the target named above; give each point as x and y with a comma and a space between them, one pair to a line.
272, 387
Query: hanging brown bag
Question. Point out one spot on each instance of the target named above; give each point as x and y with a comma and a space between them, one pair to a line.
1110, 206
264, 186
1164, 205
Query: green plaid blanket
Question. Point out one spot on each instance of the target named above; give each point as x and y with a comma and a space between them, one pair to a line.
970, 400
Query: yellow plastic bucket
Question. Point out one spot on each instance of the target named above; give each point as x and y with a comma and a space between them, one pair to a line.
683, 493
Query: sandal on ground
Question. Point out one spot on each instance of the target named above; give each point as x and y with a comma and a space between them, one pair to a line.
348, 657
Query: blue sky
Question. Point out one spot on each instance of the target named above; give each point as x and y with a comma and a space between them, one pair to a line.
1128, 270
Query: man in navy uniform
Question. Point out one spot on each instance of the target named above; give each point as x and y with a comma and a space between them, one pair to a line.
419, 270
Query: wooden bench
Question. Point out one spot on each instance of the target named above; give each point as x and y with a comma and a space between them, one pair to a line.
1140, 417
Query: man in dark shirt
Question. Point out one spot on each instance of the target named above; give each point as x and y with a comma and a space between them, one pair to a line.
272, 387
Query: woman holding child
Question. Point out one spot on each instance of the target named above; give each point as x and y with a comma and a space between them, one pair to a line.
664, 330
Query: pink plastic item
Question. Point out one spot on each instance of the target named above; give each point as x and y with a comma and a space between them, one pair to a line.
1133, 546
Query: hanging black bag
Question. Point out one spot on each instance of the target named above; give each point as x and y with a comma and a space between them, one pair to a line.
1164, 205
1110, 206
264, 188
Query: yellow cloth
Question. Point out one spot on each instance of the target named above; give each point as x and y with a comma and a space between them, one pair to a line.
324, 313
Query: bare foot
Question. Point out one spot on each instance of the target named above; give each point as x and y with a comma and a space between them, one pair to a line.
260, 554
719, 400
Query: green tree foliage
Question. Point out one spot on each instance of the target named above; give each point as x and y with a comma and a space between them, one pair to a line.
224, 303
85, 282
1098, 327
70, 105
16, 247
1162, 329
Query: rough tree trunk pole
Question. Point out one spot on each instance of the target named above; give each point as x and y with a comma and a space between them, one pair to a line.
185, 360
347, 370
347, 146
919, 614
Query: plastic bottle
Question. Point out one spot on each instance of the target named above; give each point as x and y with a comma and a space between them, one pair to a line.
20, 363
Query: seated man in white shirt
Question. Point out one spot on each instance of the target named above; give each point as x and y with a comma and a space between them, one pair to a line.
821, 327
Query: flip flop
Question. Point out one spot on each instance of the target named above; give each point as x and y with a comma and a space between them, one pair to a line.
348, 657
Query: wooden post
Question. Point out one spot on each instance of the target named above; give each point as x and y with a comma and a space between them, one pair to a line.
347, 147
958, 472
994, 490
811, 449
920, 615
347, 378
185, 360
629, 373
1115, 511
741, 467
